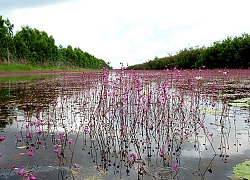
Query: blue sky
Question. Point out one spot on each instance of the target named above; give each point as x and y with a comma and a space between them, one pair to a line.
131, 31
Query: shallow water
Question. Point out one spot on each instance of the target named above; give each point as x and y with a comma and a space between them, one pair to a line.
110, 123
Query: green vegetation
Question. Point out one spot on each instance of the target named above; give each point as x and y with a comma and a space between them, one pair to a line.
13, 67
37, 48
229, 53
17, 67
241, 171
15, 79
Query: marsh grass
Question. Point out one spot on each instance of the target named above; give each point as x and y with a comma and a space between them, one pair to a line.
4, 67
14, 67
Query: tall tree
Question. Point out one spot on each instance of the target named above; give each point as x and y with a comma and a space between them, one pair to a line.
6, 33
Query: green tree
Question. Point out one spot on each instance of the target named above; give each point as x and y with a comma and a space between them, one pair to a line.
6, 33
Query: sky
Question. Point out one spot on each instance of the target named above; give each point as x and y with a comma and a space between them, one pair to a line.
132, 31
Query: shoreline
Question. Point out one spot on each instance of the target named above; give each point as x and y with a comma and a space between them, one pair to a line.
23, 73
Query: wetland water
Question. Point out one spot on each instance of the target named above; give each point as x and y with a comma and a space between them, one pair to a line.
171, 124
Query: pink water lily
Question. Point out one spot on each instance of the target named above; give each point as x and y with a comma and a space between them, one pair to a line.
21, 172
175, 166
32, 177
30, 153
70, 141
75, 165
163, 151
38, 122
210, 134
2, 138
28, 135
38, 131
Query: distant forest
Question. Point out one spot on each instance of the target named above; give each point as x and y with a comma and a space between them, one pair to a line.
229, 53
31, 46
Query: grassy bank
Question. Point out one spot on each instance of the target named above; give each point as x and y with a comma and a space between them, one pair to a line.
5, 67
22, 78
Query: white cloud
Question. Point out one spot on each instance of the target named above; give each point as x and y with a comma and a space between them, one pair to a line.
135, 31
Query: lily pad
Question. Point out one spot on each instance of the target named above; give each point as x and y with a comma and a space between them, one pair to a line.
191, 141
21, 147
30, 170
210, 111
242, 100
229, 95
241, 171
238, 104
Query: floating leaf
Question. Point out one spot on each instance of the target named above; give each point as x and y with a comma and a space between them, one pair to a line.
210, 111
241, 171
29, 170
191, 141
21, 147
237, 104
242, 100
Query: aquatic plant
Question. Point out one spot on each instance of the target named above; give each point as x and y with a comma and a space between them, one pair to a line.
129, 122
241, 171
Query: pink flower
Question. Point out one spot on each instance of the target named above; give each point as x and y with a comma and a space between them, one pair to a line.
21, 172
134, 157
85, 130
28, 135
56, 150
13, 166
75, 165
70, 141
175, 166
32, 177
38, 122
163, 151
2, 138
202, 125
30, 153
164, 122
210, 134
38, 131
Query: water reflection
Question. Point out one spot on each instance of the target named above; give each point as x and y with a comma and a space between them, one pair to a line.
131, 126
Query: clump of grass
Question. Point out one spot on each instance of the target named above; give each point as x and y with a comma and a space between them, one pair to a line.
13, 67
16, 67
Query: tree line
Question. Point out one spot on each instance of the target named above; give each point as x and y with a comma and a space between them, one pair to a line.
229, 53
29, 45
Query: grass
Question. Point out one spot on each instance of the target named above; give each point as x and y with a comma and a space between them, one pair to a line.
16, 67
14, 79
13, 67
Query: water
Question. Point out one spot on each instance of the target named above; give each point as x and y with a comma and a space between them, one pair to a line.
124, 125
